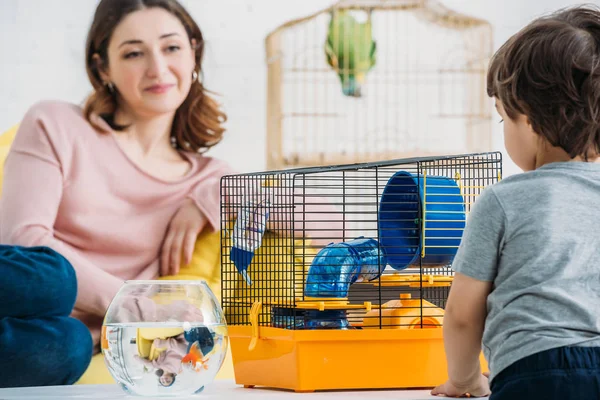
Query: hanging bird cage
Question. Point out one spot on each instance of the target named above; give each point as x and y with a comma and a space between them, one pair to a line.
369, 80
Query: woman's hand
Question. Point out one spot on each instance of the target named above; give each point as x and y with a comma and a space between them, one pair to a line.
479, 388
181, 236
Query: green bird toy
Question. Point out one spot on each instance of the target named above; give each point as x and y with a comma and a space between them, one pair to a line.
350, 50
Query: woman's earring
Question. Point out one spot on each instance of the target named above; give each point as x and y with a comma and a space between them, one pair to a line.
111, 87
173, 142
194, 76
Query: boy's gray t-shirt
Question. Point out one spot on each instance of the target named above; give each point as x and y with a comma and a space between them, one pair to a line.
536, 236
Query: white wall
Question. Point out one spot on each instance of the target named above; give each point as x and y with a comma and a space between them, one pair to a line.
507, 17
42, 44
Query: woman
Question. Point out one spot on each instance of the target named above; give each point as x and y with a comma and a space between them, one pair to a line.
119, 188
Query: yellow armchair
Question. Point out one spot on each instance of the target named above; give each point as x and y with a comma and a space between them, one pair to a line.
205, 265
6, 139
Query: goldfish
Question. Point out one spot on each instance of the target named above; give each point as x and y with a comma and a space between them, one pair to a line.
195, 358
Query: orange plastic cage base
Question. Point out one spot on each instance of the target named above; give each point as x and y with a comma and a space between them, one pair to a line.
311, 360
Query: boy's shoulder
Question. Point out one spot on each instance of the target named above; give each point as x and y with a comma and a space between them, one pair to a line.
559, 182
517, 193
518, 184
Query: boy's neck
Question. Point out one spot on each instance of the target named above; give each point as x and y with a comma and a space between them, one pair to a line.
550, 154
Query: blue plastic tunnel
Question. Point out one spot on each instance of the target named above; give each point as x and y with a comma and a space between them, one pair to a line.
339, 265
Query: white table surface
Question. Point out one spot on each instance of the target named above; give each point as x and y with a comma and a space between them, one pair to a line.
223, 389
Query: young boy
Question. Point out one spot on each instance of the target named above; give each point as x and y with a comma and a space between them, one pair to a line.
527, 279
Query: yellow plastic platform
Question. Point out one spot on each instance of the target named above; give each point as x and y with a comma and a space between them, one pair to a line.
310, 360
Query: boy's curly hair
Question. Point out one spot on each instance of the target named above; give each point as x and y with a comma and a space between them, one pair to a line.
550, 72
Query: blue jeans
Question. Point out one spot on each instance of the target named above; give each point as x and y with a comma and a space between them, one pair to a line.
40, 345
563, 373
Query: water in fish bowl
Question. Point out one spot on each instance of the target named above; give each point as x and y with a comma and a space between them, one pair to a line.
164, 359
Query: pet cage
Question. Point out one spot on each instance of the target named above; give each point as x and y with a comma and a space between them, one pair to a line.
336, 277
369, 80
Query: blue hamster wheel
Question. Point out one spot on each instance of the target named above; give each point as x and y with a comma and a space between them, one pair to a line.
409, 199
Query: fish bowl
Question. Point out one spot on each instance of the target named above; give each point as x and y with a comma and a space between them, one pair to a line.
164, 338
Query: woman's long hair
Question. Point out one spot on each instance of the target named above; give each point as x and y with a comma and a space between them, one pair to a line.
198, 121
